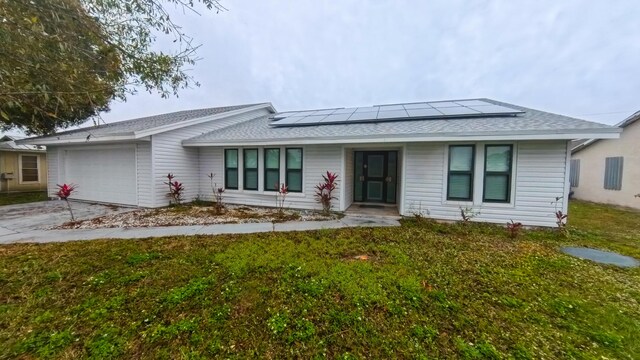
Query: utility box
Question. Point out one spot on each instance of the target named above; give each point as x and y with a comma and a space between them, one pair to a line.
7, 176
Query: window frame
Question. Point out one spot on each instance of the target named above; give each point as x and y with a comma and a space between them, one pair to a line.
508, 173
226, 169
618, 176
288, 171
21, 168
470, 172
267, 187
245, 170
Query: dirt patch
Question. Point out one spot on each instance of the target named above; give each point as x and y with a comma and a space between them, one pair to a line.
196, 215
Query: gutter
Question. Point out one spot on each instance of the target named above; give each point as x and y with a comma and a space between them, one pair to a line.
605, 133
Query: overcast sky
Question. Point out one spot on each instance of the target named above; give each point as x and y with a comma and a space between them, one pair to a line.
578, 58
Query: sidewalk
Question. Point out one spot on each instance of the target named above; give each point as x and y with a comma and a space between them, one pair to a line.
44, 236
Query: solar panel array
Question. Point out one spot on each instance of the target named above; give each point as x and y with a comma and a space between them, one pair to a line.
396, 112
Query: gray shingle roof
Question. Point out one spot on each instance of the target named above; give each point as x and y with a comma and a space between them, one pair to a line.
8, 143
532, 120
145, 123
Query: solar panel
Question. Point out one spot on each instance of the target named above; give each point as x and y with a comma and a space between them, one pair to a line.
392, 114
367, 109
345, 111
442, 110
495, 109
460, 110
430, 112
288, 121
417, 106
441, 104
365, 115
391, 107
336, 117
472, 102
324, 112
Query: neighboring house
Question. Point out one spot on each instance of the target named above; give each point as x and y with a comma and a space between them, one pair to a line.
503, 161
608, 171
22, 167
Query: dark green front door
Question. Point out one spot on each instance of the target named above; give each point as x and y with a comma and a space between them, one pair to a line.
375, 176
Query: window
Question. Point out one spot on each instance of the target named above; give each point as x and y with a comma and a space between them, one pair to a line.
231, 168
460, 177
613, 173
497, 173
271, 169
29, 168
574, 173
250, 166
294, 169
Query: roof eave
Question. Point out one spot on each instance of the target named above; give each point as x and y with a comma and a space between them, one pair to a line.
196, 121
605, 133
85, 139
142, 135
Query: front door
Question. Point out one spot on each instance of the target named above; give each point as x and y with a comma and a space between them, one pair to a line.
375, 176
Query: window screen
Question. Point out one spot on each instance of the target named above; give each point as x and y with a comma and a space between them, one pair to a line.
271, 169
294, 169
231, 168
29, 168
497, 173
250, 165
460, 177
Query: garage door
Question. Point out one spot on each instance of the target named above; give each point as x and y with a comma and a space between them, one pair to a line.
104, 175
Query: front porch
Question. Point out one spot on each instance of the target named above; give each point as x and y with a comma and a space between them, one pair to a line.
373, 210
371, 180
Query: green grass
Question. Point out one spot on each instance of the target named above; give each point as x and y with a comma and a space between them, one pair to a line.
427, 290
21, 198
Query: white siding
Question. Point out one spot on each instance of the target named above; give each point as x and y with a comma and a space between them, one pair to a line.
539, 172
317, 159
169, 156
347, 180
143, 161
52, 170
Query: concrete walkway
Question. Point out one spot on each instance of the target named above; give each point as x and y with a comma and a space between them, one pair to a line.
8, 236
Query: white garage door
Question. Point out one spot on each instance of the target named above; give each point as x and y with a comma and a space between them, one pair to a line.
104, 175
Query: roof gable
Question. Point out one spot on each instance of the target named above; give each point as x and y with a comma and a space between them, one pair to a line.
145, 126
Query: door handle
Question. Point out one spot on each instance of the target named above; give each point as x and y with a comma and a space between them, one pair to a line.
361, 177
388, 179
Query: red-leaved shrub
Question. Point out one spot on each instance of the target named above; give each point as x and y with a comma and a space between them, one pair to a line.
325, 189
64, 192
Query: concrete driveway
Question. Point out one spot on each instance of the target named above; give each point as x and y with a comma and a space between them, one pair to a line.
44, 215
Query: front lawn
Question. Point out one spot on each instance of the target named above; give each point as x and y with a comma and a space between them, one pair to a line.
424, 290
21, 198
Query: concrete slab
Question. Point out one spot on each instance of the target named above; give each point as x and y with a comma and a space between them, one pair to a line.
4, 231
600, 256
47, 214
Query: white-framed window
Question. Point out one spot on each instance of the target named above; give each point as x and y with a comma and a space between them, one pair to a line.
29, 168
498, 170
460, 172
